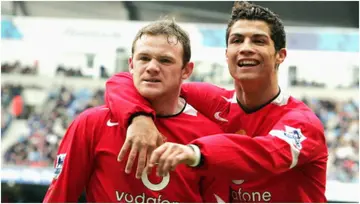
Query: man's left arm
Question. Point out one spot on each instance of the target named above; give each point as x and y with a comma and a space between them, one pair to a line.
290, 143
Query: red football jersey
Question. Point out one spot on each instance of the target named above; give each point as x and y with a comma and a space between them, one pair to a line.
87, 160
277, 154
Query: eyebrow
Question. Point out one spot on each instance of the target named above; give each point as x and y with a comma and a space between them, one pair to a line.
257, 35
160, 56
142, 53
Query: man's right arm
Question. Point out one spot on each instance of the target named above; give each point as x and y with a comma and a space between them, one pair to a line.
206, 98
124, 100
120, 89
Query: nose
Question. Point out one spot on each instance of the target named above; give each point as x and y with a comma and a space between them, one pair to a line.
246, 48
153, 67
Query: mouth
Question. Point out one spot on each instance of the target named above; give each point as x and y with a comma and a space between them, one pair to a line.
152, 80
248, 63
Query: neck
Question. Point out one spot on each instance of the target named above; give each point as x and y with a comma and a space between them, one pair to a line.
168, 106
253, 95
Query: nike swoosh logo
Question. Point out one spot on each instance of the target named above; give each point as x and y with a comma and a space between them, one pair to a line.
238, 181
218, 199
109, 123
218, 117
230, 100
227, 99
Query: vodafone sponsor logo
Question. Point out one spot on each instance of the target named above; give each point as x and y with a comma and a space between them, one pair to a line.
141, 198
245, 196
126, 197
249, 196
155, 187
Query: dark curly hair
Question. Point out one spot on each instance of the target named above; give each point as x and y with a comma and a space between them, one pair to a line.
248, 11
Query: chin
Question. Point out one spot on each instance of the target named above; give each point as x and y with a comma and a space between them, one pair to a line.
245, 76
150, 93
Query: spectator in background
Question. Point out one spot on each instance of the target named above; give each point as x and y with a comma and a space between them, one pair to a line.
46, 127
17, 67
6, 119
17, 106
103, 72
341, 124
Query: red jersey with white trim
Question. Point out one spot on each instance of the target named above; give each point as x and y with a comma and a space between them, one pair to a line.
87, 160
277, 153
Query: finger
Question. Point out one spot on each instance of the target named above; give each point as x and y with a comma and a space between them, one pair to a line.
148, 168
141, 162
163, 160
177, 160
171, 161
131, 159
180, 159
124, 149
155, 156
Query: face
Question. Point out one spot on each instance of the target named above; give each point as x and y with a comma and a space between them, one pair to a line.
157, 66
251, 53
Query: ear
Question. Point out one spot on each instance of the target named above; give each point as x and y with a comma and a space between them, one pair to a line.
187, 70
131, 66
280, 56
226, 56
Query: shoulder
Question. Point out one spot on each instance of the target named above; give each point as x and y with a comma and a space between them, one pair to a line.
297, 112
94, 116
207, 88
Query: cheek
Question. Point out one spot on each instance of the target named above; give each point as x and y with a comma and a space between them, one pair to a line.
136, 80
136, 73
232, 55
172, 75
138, 70
268, 58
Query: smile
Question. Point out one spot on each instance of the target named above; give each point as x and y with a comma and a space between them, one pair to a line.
248, 63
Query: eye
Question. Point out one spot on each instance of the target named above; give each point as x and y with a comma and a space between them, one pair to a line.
144, 58
165, 60
235, 40
259, 41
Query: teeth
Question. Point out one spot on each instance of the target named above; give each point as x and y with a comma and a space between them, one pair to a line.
248, 62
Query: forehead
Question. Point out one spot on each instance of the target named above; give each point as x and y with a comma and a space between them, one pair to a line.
250, 27
158, 44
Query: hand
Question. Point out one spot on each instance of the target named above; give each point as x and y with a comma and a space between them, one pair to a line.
169, 155
142, 136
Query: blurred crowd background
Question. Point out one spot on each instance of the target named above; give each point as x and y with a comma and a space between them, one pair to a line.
46, 83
